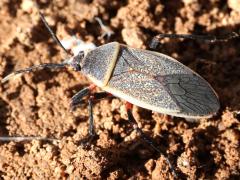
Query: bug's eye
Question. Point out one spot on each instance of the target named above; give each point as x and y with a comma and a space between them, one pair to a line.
75, 64
77, 67
75, 61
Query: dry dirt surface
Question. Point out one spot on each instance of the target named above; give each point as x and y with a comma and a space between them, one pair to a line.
37, 104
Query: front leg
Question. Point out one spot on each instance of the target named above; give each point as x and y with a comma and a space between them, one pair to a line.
91, 130
77, 98
94, 97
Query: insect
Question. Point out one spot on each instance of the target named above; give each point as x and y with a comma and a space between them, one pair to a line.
145, 78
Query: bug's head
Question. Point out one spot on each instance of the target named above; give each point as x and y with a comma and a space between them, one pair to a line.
75, 61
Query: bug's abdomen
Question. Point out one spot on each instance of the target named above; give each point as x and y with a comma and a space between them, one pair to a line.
100, 62
158, 82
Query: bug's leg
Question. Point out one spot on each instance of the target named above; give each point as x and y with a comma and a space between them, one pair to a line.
208, 38
145, 138
77, 98
91, 130
101, 95
26, 138
94, 97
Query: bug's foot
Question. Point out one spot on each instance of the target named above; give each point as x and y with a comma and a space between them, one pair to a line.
73, 107
87, 141
148, 140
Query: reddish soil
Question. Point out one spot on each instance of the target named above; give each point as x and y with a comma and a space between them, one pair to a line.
37, 104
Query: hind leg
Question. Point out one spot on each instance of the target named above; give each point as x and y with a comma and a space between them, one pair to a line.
208, 38
145, 137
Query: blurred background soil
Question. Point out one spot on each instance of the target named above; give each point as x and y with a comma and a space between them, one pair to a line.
37, 104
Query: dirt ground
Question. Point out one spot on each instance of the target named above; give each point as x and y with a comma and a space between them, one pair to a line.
37, 104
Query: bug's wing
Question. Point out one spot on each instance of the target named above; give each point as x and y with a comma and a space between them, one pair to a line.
158, 82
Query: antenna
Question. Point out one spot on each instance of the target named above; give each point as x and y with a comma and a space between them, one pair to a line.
55, 38
47, 65
30, 69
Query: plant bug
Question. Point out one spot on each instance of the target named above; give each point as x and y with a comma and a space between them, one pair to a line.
145, 78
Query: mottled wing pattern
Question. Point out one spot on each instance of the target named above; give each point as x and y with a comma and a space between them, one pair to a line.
158, 82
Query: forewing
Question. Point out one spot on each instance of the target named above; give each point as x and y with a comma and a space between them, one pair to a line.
160, 83
140, 89
192, 94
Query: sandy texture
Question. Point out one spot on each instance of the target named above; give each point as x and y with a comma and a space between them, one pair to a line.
37, 104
